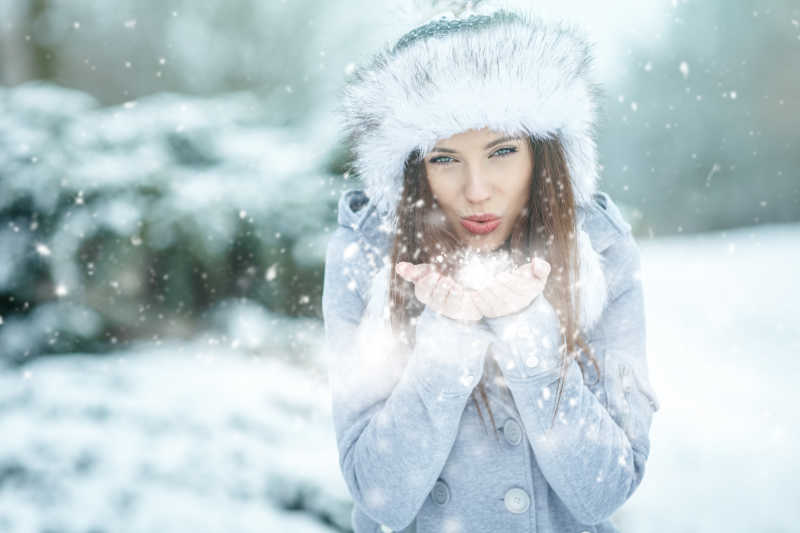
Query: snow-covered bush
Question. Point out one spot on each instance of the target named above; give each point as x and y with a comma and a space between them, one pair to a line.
143, 216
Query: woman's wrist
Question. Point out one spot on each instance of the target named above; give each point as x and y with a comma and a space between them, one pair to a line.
449, 354
530, 339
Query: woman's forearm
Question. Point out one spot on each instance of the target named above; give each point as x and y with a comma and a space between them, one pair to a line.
593, 457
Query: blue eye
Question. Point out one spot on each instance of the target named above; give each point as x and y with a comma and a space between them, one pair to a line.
499, 153
510, 149
437, 161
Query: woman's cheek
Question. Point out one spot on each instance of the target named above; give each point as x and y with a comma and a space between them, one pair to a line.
444, 191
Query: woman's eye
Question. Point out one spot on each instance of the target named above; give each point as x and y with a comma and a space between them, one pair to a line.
446, 160
501, 153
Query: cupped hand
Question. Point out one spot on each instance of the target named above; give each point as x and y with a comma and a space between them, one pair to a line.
512, 291
441, 293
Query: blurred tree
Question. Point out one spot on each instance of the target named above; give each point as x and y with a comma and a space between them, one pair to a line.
119, 51
701, 132
156, 220
21, 57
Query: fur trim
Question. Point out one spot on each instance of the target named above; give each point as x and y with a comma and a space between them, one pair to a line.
509, 71
592, 285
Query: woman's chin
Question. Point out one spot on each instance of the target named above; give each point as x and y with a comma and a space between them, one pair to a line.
482, 243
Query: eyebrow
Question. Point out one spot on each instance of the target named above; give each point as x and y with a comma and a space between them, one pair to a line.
493, 143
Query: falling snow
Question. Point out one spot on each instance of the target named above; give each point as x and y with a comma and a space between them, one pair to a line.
684, 68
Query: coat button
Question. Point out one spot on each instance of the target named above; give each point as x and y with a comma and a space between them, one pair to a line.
517, 500
385, 528
440, 493
512, 432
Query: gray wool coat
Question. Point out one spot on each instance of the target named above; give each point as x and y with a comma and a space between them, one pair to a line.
413, 451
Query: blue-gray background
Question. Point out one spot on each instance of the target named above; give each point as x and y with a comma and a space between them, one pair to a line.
168, 179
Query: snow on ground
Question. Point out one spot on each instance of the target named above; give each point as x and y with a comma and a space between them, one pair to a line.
196, 437
174, 438
723, 344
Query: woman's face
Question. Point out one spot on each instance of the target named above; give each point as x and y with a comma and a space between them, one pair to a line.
481, 172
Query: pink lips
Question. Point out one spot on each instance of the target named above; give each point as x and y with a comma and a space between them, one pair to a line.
481, 224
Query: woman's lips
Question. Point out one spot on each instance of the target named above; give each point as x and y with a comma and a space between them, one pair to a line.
481, 228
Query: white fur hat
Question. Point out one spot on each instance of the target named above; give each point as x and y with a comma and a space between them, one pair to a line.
505, 69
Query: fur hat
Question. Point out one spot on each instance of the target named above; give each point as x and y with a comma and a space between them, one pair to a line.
472, 66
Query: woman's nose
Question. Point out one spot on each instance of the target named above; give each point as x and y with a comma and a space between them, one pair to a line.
477, 188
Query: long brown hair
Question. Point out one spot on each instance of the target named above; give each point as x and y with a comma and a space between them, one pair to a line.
544, 228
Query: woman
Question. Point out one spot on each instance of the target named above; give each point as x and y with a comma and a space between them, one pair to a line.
481, 262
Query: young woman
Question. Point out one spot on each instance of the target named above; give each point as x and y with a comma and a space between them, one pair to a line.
481, 263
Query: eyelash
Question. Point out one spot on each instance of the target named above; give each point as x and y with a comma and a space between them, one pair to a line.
511, 149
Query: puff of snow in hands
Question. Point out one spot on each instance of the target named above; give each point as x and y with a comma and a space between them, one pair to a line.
477, 270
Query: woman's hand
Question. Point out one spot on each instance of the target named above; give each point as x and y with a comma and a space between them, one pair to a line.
512, 291
509, 293
441, 293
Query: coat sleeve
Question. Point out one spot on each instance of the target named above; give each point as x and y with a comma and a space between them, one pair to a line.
593, 457
396, 412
